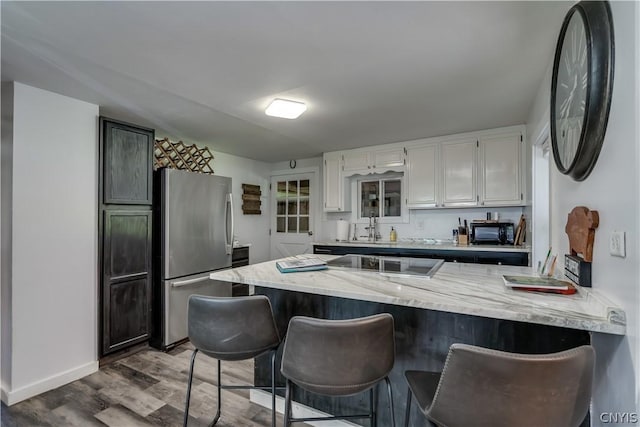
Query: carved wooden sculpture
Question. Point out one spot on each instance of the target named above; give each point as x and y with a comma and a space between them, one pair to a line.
581, 229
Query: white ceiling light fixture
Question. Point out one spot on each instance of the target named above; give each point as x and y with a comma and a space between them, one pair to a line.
285, 109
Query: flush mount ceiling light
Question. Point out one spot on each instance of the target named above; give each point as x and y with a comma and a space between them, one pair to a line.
285, 109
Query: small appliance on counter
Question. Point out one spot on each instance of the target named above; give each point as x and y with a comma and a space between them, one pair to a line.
492, 233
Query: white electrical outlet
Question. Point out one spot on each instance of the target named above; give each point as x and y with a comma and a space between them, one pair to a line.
617, 244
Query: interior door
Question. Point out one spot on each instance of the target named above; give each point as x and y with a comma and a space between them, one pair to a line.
293, 207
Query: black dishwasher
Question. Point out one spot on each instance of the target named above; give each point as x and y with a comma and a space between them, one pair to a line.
240, 258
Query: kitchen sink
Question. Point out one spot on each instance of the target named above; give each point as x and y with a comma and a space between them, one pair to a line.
365, 242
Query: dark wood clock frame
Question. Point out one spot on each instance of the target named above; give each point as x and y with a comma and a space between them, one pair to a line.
598, 22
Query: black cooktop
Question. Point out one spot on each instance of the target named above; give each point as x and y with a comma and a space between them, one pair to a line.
425, 267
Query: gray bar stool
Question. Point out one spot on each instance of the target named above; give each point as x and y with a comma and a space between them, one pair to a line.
338, 358
229, 329
483, 387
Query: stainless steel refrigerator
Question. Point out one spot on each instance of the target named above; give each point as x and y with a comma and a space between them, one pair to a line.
193, 236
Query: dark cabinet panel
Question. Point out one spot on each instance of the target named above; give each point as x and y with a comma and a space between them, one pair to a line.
125, 233
126, 281
239, 258
127, 163
128, 312
127, 244
480, 257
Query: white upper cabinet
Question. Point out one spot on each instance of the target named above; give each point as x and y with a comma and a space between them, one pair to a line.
373, 161
356, 160
459, 165
386, 159
484, 168
334, 188
422, 176
500, 170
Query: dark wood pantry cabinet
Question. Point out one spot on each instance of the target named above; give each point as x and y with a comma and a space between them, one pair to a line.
124, 232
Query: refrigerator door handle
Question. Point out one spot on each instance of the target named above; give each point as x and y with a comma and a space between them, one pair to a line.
228, 237
189, 282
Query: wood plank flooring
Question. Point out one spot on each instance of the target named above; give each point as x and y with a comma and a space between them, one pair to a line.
145, 389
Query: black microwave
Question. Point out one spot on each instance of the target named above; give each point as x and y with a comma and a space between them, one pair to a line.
492, 233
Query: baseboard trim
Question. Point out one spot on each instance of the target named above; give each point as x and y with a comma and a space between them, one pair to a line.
14, 396
263, 398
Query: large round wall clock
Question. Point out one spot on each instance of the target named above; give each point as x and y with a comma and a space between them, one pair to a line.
581, 86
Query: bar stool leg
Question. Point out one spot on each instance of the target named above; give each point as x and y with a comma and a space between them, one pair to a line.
408, 413
393, 420
287, 405
217, 417
273, 388
186, 406
373, 405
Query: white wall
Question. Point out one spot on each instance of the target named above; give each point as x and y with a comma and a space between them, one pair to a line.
612, 190
53, 281
6, 154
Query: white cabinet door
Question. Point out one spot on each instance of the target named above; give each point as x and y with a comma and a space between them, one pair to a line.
388, 158
373, 161
356, 161
333, 187
422, 176
459, 160
500, 171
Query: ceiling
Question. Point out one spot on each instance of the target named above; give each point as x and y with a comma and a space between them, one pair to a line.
370, 72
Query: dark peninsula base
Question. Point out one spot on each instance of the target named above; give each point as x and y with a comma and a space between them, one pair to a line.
423, 338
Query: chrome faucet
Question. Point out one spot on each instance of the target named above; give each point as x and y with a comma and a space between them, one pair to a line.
374, 235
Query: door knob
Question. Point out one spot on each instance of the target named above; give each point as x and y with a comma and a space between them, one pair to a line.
310, 233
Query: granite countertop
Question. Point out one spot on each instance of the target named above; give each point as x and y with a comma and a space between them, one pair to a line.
445, 245
474, 289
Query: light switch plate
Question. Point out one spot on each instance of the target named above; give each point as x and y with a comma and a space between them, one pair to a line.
617, 244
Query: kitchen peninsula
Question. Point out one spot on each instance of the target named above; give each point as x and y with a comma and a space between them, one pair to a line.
465, 303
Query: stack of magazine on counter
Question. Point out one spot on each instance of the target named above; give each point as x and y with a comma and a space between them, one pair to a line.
294, 265
539, 284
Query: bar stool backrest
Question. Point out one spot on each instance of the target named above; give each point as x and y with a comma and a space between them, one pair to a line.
338, 357
232, 328
486, 387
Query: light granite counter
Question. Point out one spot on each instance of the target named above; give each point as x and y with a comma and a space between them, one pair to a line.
473, 289
425, 244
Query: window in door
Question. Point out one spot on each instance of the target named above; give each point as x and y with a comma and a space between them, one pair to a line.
381, 198
292, 201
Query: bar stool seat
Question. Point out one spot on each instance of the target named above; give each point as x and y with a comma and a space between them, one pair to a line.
483, 387
231, 329
338, 358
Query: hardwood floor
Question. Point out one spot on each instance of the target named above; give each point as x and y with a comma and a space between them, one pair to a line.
145, 389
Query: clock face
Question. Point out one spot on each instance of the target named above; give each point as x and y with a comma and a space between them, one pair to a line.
571, 90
